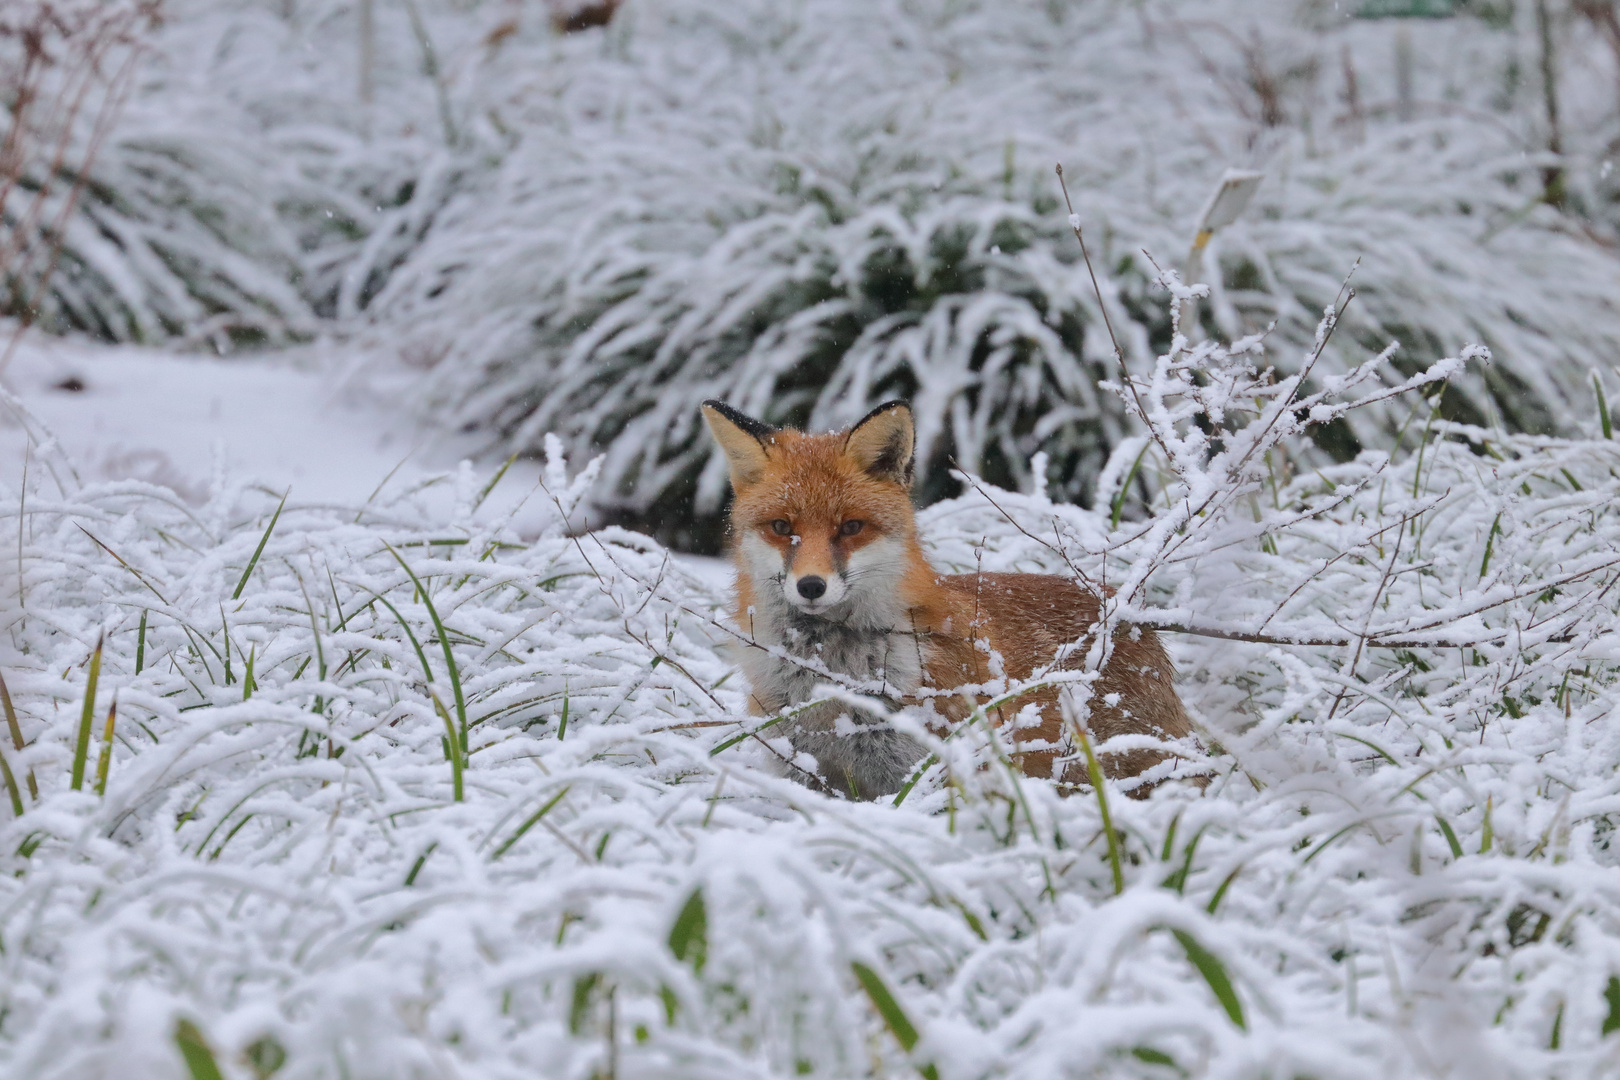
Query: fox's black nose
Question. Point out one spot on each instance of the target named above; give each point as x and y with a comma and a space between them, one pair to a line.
812, 587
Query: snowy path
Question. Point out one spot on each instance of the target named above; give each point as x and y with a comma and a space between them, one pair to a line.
303, 420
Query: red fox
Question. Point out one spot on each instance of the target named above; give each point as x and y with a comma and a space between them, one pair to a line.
831, 576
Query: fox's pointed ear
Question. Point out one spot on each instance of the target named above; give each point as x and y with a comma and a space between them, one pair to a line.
883, 443
743, 438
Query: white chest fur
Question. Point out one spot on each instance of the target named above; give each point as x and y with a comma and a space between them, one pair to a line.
850, 750
884, 662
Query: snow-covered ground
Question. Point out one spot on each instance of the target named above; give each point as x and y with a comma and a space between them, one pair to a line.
313, 422
284, 866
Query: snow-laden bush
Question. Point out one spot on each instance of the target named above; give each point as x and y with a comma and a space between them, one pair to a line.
66, 67
135, 224
197, 177
392, 793
806, 208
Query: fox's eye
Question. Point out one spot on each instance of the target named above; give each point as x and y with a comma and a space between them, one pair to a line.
850, 527
781, 527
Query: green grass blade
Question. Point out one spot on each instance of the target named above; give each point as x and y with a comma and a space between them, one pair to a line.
263, 540
248, 685
1169, 847
1125, 489
140, 645
265, 1057
916, 774
194, 1048
689, 937
1150, 1056
16, 734
421, 861
974, 923
81, 751
217, 852
496, 479
1611, 994
1486, 833
1220, 893
11, 786
1451, 837
886, 1005
450, 746
315, 632
104, 761
343, 620
1178, 878
452, 740
199, 641
735, 739
320, 653
767, 725
1417, 473
1603, 408
138, 575
579, 1009
1214, 973
895, 1017
1094, 772
421, 656
533, 820
1490, 544
444, 642
1369, 744
225, 632
382, 484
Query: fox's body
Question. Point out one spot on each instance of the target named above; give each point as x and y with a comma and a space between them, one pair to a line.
831, 577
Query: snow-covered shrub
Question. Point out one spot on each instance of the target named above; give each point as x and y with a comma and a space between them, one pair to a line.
240, 197
65, 68
808, 207
399, 793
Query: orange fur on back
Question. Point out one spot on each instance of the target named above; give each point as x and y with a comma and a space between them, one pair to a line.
1028, 621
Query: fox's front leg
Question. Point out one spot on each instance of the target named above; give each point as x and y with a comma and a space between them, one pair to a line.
856, 751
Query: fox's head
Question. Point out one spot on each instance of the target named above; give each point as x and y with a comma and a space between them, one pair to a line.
827, 519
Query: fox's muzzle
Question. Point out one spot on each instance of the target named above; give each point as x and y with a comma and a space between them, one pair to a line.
815, 590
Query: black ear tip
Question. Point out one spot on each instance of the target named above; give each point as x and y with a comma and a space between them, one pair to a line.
747, 423
887, 406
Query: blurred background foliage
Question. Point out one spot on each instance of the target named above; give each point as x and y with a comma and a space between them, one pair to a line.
584, 217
